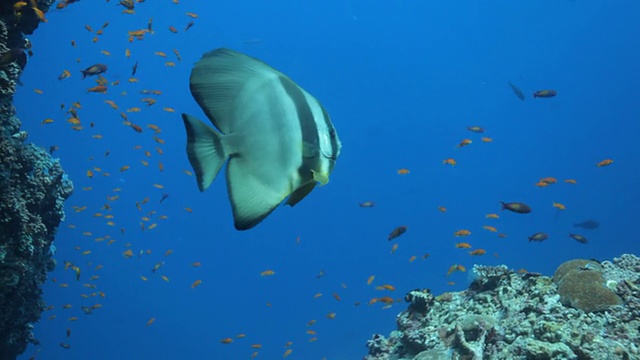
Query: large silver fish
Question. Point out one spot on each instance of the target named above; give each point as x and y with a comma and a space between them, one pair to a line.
279, 140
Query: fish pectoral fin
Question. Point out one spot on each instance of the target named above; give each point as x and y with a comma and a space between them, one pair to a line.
300, 193
254, 195
204, 149
323, 179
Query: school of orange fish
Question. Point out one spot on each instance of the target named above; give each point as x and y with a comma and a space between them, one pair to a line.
150, 218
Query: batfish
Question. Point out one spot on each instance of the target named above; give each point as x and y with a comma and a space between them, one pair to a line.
276, 138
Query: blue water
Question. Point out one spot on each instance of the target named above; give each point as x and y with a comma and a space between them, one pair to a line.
401, 81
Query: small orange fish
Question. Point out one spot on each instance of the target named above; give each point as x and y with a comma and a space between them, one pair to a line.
571, 181
287, 353
196, 264
464, 142
403, 171
478, 252
490, 228
462, 233
486, 139
449, 161
226, 340
370, 279
394, 248
331, 315
151, 321
605, 162
549, 180
268, 273
492, 216
98, 89
196, 283
463, 245
559, 206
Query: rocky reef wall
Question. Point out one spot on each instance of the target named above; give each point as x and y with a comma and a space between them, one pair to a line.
588, 311
33, 187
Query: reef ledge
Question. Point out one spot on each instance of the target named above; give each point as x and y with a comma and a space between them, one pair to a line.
506, 315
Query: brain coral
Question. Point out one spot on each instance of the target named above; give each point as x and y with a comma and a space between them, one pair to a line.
581, 285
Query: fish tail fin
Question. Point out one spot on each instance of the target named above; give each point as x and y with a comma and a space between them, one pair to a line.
84, 74
504, 206
205, 150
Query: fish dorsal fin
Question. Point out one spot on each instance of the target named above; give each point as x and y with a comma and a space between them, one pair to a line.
220, 80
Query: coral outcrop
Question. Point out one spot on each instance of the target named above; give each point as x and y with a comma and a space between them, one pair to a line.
33, 188
505, 315
581, 285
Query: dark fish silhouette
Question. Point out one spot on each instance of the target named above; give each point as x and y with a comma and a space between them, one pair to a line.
516, 207
579, 238
589, 224
538, 237
545, 93
397, 232
517, 91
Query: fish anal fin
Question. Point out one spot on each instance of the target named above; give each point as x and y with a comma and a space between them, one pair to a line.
301, 193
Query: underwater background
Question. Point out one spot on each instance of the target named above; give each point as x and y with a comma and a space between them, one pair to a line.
401, 81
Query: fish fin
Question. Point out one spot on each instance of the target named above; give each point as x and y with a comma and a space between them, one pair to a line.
300, 193
220, 79
323, 179
205, 151
252, 195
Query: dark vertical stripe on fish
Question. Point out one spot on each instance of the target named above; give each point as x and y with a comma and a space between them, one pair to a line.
308, 128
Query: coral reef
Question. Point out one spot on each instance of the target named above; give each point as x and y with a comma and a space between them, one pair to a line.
582, 286
505, 315
33, 188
